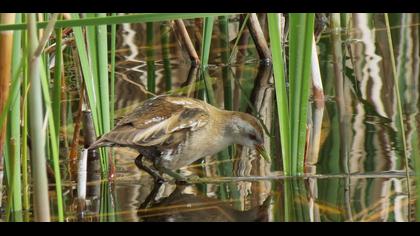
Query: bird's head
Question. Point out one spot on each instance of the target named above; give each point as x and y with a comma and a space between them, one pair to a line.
246, 130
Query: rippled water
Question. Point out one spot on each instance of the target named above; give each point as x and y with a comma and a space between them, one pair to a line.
358, 175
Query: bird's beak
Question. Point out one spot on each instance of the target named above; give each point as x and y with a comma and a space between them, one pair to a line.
261, 150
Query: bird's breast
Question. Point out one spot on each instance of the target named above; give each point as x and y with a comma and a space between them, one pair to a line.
196, 145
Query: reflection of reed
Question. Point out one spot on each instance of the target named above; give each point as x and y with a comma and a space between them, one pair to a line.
391, 205
261, 105
408, 71
240, 57
371, 124
368, 68
262, 97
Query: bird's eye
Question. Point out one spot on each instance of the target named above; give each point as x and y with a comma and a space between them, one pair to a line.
252, 136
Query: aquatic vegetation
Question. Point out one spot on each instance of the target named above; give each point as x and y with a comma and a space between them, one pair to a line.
68, 78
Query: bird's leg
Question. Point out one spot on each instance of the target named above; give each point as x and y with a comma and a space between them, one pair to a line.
155, 174
179, 179
150, 199
173, 174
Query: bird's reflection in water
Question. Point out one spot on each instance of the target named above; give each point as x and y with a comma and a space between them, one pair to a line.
183, 207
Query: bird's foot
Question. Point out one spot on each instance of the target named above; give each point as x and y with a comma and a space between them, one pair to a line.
159, 180
180, 179
181, 182
193, 179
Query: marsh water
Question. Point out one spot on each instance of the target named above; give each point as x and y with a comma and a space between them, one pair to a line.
356, 170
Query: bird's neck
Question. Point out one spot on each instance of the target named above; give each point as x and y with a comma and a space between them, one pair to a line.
228, 122
231, 126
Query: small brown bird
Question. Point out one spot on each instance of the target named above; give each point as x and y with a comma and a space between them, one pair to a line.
172, 132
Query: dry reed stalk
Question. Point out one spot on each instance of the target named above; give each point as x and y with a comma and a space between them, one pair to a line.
257, 35
6, 43
195, 59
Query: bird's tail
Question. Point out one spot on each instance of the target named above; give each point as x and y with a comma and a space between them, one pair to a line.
101, 142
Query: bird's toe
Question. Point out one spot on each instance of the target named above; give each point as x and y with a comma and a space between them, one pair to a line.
181, 182
193, 179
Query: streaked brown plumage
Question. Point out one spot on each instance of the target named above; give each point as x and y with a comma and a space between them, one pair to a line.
173, 132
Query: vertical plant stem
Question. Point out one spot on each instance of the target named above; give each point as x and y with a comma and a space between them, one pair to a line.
165, 40
63, 107
25, 176
76, 132
207, 33
185, 37
226, 74
39, 171
9, 150
103, 74
53, 137
102, 56
224, 44
280, 88
57, 83
258, 37
242, 36
318, 93
90, 73
339, 82
15, 122
6, 44
25, 127
112, 81
151, 80
205, 52
92, 47
11, 191
300, 49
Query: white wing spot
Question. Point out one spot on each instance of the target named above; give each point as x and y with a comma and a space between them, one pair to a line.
154, 119
180, 102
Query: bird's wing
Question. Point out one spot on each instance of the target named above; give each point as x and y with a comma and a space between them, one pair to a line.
157, 122
152, 111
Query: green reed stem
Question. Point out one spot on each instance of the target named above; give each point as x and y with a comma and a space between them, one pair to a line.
91, 41
226, 74
235, 45
11, 167
165, 41
53, 144
91, 87
280, 89
25, 127
204, 57
14, 121
150, 53
112, 81
224, 44
103, 81
300, 51
94, 64
207, 33
131, 18
103, 73
56, 101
